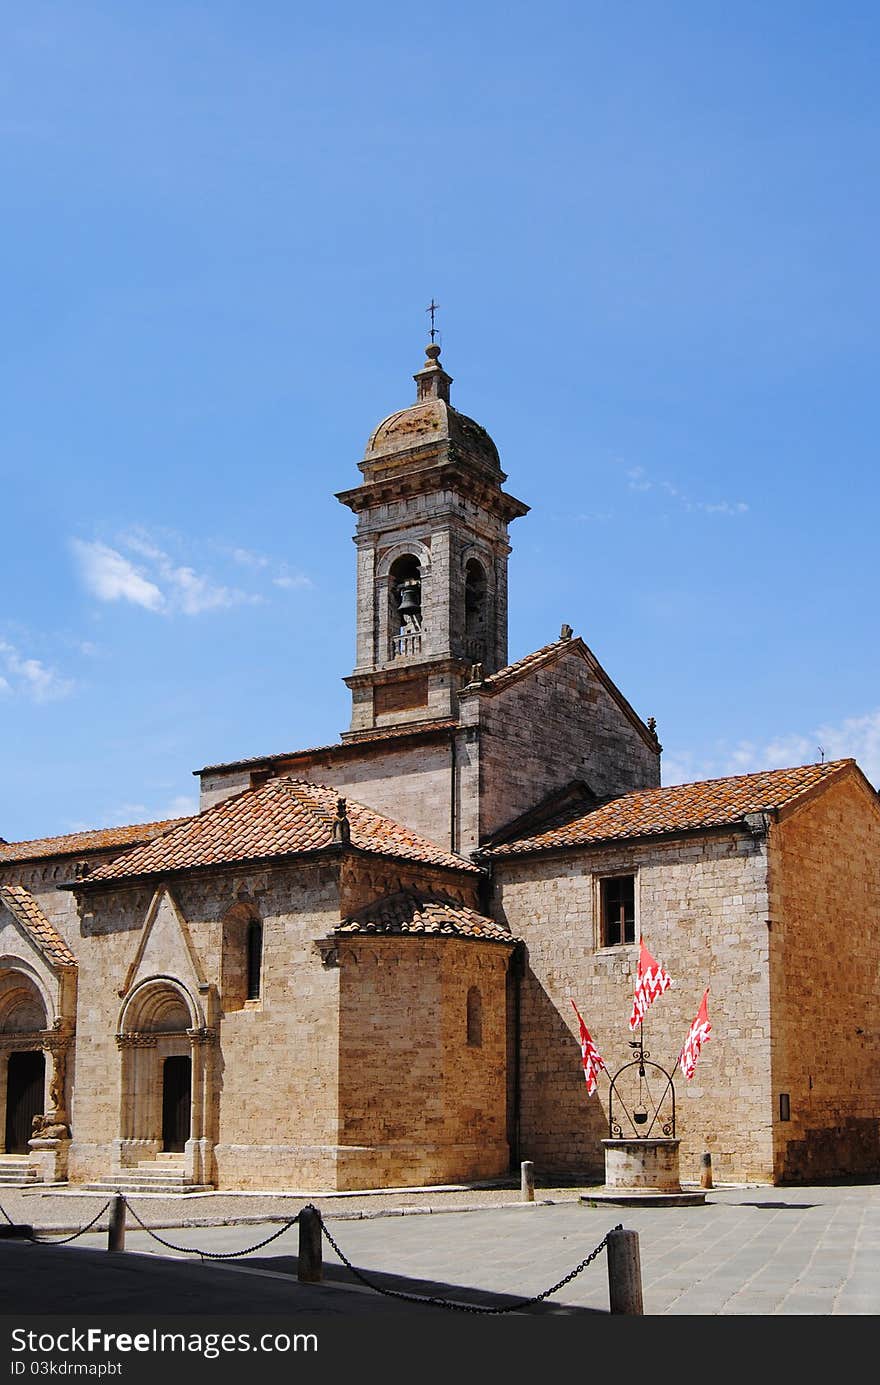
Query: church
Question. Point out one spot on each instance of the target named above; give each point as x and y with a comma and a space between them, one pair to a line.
354, 967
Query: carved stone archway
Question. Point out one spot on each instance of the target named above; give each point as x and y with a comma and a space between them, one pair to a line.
28, 1024
161, 1019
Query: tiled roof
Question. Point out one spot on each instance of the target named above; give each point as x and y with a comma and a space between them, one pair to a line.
679, 808
22, 904
102, 839
385, 733
528, 664
431, 915
283, 817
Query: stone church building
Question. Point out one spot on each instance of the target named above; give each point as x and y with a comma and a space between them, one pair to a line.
354, 966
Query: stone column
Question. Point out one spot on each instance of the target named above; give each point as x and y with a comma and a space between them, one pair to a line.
136, 1139
201, 1142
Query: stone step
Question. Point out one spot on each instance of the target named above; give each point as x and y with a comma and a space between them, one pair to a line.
136, 1185
17, 1168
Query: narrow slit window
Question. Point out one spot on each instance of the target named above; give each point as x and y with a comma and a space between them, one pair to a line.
254, 958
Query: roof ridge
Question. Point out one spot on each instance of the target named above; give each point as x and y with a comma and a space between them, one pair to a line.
96, 831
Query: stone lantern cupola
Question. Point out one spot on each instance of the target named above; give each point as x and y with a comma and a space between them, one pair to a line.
432, 518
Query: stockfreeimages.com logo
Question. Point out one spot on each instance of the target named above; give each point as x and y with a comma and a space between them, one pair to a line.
75, 1341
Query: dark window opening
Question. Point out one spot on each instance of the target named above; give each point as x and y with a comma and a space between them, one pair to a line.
474, 598
254, 958
618, 910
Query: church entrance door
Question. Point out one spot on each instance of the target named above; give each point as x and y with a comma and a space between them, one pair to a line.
176, 1096
25, 1091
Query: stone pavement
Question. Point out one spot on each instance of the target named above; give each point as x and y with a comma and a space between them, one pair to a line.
749, 1251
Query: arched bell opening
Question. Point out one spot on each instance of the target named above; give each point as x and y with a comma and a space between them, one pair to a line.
405, 605
475, 603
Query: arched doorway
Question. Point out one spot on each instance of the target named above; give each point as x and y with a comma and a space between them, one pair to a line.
166, 1076
25, 1092
176, 1102
23, 1028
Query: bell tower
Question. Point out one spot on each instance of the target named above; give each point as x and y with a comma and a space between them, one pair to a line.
432, 550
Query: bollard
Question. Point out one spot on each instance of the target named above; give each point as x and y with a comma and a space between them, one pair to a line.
309, 1269
706, 1171
116, 1230
624, 1272
527, 1181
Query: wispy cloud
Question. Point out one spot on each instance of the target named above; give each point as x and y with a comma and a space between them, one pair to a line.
29, 677
246, 558
111, 577
281, 575
146, 575
856, 737
639, 480
292, 581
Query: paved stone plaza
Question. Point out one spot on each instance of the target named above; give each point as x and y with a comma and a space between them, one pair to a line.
750, 1251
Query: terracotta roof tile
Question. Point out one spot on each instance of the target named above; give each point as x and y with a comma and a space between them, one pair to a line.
101, 839
426, 915
283, 817
527, 664
21, 903
678, 808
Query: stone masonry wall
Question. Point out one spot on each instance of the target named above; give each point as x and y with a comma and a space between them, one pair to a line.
701, 905
411, 784
544, 730
825, 984
417, 1103
273, 1111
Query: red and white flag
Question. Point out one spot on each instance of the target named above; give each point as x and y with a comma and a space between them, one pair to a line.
592, 1058
697, 1035
651, 981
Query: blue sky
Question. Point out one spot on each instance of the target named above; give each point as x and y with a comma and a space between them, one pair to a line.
652, 230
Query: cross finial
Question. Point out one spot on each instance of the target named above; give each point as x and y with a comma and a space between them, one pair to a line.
432, 308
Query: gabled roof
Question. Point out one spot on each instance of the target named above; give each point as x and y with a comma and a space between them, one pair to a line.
676, 809
284, 817
22, 905
425, 915
531, 664
75, 843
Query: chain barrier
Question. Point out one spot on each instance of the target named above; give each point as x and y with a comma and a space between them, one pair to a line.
64, 1240
464, 1307
210, 1254
38, 1240
358, 1274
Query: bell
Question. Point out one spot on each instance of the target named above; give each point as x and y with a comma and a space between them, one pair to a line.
409, 597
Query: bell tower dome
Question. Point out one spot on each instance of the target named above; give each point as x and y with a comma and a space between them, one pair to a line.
432, 519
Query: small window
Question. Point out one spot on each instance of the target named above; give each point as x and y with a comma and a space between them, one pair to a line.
618, 910
474, 1018
254, 958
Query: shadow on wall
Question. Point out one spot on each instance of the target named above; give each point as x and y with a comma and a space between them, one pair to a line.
561, 1126
838, 1151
